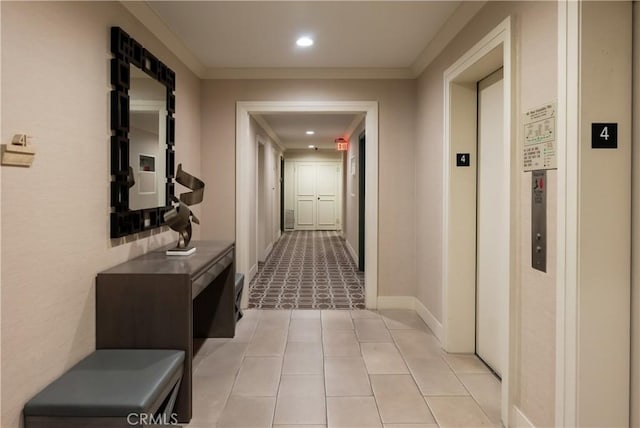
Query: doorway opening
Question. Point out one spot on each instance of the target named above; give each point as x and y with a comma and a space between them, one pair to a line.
466, 313
281, 194
491, 281
246, 154
361, 200
314, 190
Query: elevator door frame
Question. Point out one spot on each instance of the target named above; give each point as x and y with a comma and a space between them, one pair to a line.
459, 204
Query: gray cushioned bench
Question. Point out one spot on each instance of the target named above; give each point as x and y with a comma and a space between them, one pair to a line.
106, 387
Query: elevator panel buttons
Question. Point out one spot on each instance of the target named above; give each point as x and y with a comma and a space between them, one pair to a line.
539, 220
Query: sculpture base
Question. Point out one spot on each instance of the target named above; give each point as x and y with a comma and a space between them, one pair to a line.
181, 251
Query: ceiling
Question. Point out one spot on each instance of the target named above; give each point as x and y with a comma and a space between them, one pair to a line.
262, 34
288, 129
353, 39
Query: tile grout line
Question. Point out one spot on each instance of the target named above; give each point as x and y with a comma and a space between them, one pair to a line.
286, 345
433, 415
373, 393
235, 378
324, 373
455, 373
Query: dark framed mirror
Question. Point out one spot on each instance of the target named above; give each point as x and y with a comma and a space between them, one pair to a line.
142, 137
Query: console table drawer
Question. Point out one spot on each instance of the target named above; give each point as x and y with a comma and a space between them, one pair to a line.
210, 274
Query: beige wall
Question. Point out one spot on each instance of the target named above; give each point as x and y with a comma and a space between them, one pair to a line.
604, 216
635, 227
396, 176
352, 192
1, 292
261, 233
535, 38
55, 215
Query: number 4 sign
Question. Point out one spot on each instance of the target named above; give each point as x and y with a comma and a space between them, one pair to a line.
463, 159
604, 135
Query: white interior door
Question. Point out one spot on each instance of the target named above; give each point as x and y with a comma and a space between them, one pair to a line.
305, 173
492, 224
317, 195
327, 195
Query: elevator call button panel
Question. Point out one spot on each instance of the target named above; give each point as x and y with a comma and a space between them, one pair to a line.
539, 220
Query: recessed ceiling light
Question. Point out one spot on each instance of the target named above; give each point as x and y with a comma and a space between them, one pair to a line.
310, 132
304, 42
311, 147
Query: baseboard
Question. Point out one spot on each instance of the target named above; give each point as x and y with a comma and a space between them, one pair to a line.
396, 302
410, 302
267, 251
251, 274
354, 256
520, 420
429, 319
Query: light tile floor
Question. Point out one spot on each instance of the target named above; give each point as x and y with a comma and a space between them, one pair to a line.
338, 369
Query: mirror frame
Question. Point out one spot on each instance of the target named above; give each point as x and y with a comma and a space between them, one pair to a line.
127, 51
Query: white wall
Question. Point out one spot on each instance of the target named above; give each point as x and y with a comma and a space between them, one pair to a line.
536, 83
268, 194
55, 215
395, 98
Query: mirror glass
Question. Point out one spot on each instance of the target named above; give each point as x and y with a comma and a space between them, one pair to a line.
147, 140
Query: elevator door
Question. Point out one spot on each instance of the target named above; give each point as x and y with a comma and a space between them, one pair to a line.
492, 224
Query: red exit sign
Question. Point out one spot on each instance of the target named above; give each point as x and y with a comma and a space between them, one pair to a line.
342, 145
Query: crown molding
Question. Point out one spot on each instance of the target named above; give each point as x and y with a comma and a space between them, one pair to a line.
158, 28
449, 30
354, 124
270, 132
308, 73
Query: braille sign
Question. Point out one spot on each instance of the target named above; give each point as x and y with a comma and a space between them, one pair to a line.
604, 135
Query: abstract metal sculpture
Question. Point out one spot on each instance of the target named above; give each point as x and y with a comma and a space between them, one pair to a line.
179, 218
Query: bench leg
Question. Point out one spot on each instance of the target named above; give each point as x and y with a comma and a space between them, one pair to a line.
171, 401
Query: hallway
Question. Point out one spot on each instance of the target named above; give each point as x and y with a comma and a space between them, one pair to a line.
329, 368
308, 270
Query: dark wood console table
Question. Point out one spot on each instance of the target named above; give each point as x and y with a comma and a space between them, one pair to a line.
157, 301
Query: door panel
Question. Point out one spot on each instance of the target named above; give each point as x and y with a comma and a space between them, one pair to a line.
305, 211
327, 193
305, 195
491, 226
327, 180
326, 214
306, 179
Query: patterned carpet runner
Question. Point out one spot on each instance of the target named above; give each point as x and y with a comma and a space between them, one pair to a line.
308, 270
